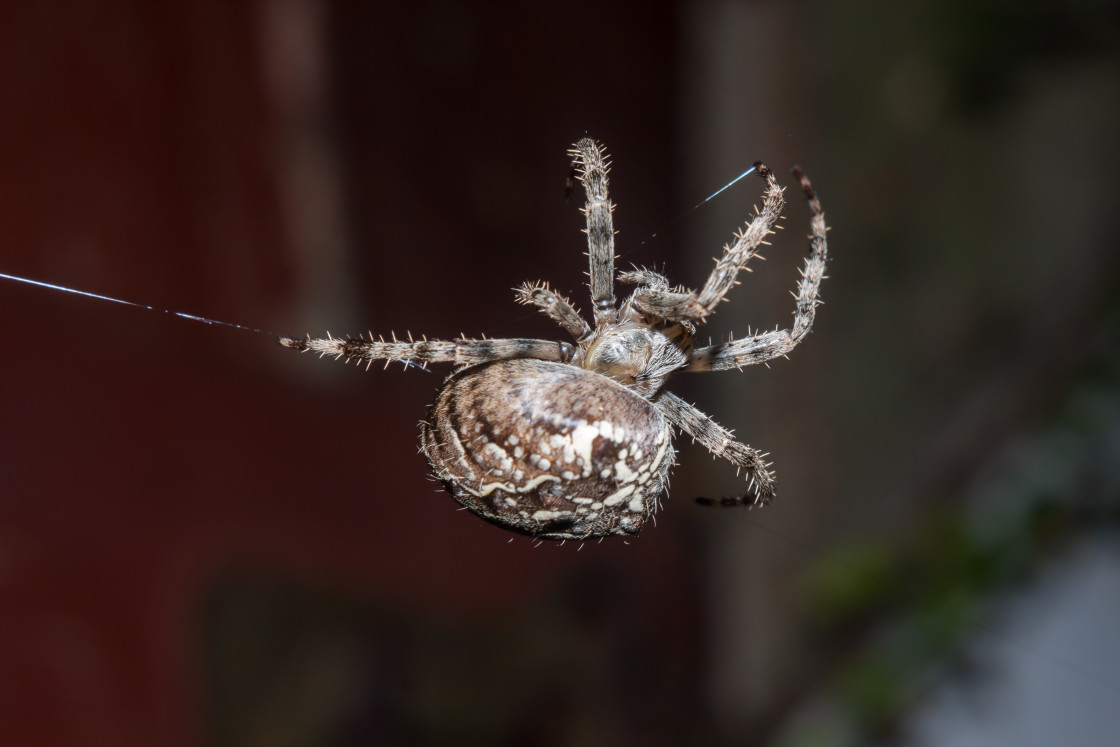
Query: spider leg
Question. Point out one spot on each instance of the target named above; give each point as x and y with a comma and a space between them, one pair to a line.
591, 167
644, 276
555, 307
746, 351
462, 352
695, 306
763, 347
720, 442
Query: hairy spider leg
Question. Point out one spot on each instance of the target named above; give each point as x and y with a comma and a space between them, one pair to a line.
592, 167
459, 352
696, 306
554, 306
721, 442
767, 345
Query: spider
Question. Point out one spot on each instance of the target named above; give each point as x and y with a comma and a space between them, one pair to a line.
573, 440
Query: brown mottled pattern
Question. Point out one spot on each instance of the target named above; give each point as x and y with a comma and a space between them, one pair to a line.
543, 405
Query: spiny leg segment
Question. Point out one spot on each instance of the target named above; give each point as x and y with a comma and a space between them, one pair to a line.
591, 168
763, 347
459, 352
721, 442
644, 276
696, 306
555, 307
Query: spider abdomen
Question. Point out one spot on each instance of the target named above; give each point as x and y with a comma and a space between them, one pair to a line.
548, 449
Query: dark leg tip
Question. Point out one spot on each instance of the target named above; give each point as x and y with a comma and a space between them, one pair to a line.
747, 499
806, 186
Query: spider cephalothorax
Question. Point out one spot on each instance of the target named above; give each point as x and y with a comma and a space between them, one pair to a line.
564, 440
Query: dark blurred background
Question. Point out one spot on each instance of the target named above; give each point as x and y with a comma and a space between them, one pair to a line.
205, 539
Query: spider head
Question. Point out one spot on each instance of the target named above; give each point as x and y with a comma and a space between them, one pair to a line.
621, 352
638, 353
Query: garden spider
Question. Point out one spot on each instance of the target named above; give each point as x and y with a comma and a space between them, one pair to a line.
563, 440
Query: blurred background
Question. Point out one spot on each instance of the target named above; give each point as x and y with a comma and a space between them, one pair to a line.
205, 539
